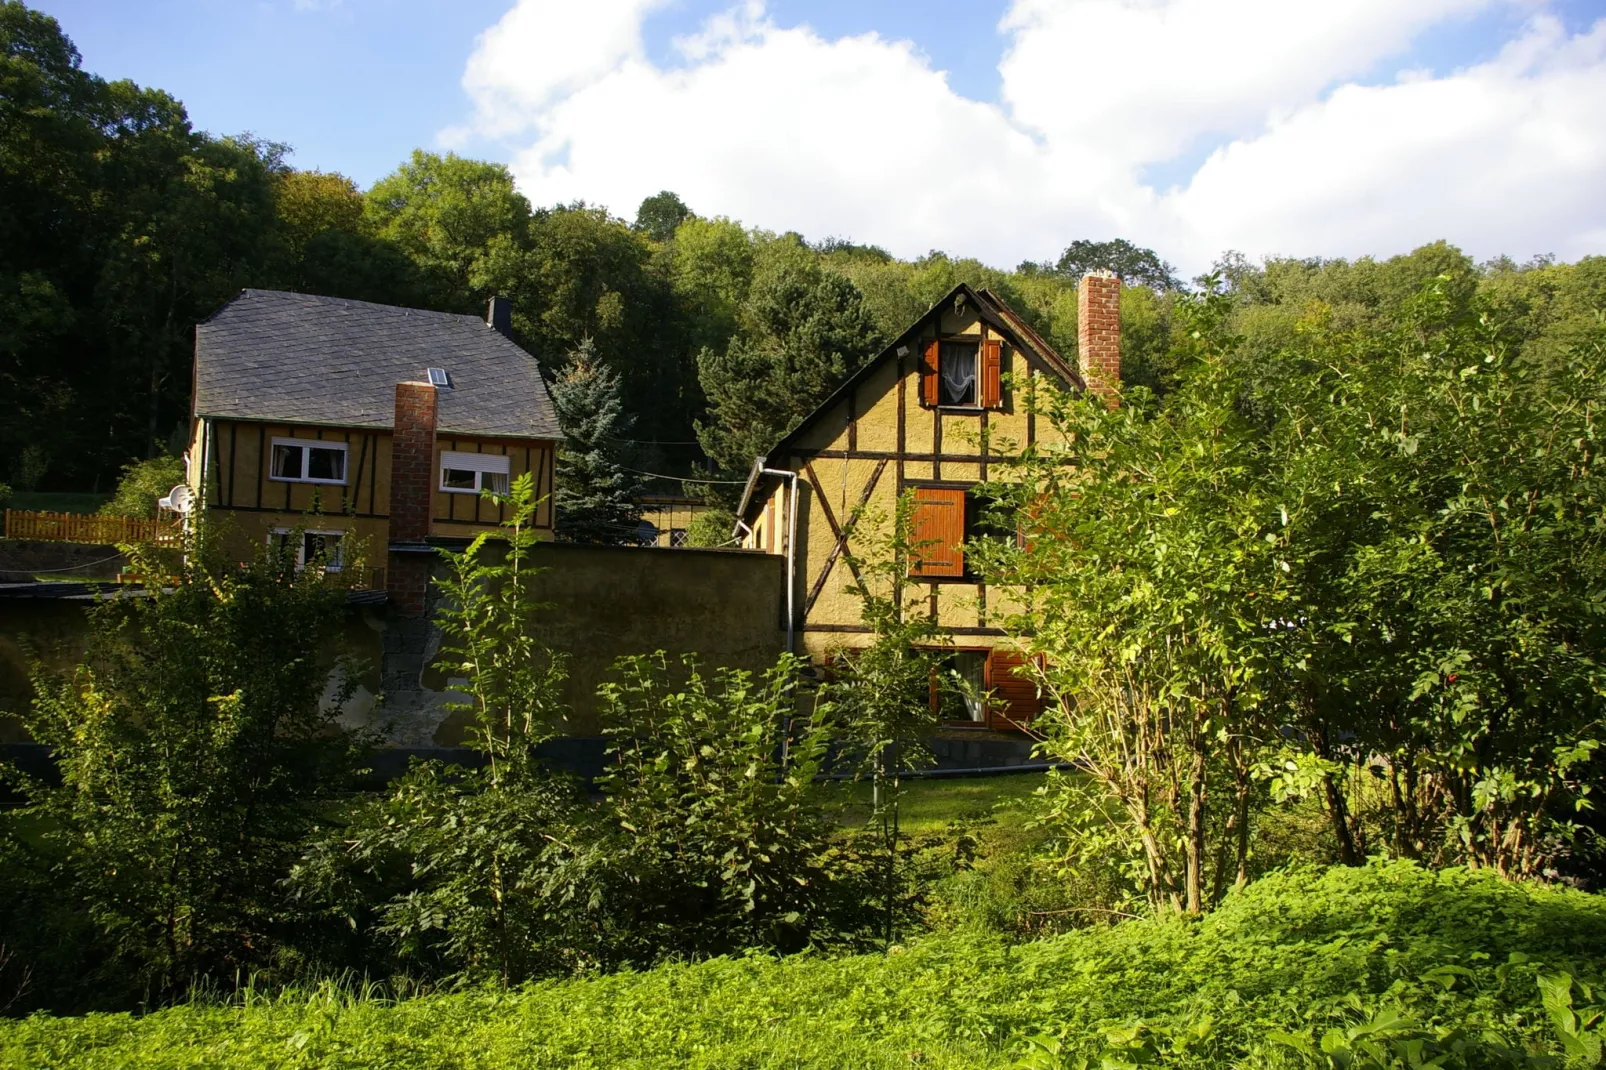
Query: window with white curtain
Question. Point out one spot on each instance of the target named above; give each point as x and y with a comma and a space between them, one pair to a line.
956, 368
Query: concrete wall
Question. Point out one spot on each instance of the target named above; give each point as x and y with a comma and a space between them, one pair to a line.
723, 605
20, 559
608, 601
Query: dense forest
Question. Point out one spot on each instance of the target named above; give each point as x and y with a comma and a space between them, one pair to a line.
125, 226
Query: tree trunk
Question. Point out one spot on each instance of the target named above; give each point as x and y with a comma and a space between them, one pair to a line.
1337, 804
1194, 841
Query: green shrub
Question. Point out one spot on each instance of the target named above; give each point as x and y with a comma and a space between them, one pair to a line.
141, 484
1460, 956
195, 745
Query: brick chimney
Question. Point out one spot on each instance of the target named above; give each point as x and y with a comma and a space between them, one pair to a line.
1098, 334
499, 316
412, 488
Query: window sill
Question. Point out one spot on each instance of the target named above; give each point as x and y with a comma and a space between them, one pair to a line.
316, 482
458, 490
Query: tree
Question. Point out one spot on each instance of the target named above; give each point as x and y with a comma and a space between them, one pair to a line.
803, 330
596, 497
661, 214
1442, 494
1151, 583
448, 214
312, 202
1133, 263
196, 744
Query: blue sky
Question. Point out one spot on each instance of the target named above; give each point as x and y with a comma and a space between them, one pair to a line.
354, 85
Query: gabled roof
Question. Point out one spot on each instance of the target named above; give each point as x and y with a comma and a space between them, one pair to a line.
298, 358
990, 308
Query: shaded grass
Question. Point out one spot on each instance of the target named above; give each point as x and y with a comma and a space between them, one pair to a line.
57, 501
936, 805
1298, 952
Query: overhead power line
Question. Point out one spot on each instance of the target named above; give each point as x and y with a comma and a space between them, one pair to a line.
687, 479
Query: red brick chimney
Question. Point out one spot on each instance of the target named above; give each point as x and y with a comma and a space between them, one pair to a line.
1098, 334
412, 488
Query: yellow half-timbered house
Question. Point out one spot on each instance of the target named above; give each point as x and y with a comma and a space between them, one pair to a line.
338, 425
932, 414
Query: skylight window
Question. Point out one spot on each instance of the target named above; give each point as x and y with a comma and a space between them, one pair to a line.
438, 377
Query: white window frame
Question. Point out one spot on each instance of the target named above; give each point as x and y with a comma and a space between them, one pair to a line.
301, 548
481, 464
305, 444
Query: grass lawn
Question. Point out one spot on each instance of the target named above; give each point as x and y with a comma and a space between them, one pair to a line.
57, 501
934, 805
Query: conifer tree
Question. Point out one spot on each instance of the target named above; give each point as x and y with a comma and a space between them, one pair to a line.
596, 496
803, 331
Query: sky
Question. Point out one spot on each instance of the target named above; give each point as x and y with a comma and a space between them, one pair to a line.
998, 129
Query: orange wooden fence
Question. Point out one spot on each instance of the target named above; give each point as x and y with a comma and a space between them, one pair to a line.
86, 527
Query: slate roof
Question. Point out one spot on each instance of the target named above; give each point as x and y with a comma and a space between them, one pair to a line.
298, 358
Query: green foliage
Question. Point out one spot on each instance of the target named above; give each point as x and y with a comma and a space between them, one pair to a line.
195, 744
714, 835
1441, 498
444, 873
880, 692
1135, 265
660, 215
711, 527
452, 217
596, 497
711, 837
1153, 588
802, 330
142, 484
1299, 954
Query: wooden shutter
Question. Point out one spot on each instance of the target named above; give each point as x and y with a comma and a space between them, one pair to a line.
938, 532
1014, 701
992, 374
930, 361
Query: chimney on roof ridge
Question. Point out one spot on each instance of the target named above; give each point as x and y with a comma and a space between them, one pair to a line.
1098, 334
499, 316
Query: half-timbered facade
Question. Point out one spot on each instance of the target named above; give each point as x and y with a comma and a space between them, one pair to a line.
341, 426
934, 414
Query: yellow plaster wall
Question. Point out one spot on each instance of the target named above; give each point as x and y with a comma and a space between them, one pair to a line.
246, 504
841, 481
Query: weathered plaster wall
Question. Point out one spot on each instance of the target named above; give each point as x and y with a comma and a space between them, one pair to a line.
725, 606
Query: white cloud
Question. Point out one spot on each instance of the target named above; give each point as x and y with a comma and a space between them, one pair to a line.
861, 137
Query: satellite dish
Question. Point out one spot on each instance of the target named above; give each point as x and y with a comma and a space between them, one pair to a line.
180, 499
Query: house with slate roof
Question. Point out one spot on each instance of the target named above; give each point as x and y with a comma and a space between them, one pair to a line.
328, 424
933, 415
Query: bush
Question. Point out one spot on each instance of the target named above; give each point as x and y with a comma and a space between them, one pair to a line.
712, 527
706, 842
195, 743
713, 840
1391, 955
141, 484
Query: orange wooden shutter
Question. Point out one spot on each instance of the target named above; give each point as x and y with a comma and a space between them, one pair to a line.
992, 374
938, 532
929, 362
1014, 701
